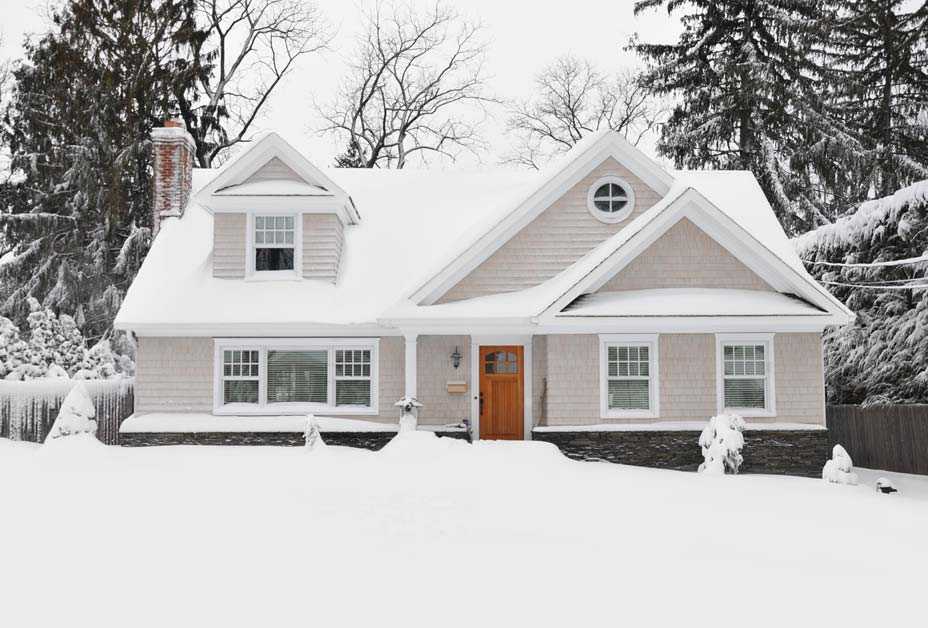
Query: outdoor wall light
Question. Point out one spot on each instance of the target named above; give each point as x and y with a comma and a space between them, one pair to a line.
456, 358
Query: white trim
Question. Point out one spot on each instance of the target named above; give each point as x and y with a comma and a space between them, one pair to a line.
262, 345
275, 275
695, 207
607, 217
652, 341
411, 365
770, 409
528, 413
553, 187
254, 158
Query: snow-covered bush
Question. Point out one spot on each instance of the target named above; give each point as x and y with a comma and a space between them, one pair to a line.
313, 438
721, 442
839, 470
98, 363
76, 415
408, 407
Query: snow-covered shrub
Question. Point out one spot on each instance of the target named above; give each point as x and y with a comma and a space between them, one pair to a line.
408, 406
12, 347
76, 415
885, 485
721, 442
312, 436
839, 470
98, 363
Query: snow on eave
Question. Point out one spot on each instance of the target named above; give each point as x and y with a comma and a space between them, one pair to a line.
666, 302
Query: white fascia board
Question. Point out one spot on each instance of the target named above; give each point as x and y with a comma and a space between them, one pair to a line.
686, 324
553, 188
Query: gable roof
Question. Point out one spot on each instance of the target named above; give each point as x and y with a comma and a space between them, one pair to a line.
232, 180
742, 222
415, 237
553, 181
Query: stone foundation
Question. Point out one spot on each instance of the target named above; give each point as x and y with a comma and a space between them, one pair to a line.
361, 440
780, 452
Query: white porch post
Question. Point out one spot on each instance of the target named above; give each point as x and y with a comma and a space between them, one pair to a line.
411, 366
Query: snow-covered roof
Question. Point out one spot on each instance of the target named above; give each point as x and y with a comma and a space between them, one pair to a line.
689, 302
411, 218
415, 224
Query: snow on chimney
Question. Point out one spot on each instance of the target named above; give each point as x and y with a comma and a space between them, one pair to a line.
173, 163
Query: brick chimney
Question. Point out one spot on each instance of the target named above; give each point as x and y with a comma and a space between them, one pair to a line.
173, 153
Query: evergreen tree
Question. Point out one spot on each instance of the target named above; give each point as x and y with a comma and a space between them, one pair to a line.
78, 125
883, 356
876, 53
745, 74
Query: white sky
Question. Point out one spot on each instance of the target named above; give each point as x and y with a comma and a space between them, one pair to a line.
524, 37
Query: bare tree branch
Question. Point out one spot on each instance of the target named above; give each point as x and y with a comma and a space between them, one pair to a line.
573, 99
416, 86
253, 45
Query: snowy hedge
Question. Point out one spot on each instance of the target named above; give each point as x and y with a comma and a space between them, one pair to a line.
54, 348
883, 356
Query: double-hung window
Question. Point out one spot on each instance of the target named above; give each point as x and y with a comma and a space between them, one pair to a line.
745, 374
274, 243
628, 376
293, 376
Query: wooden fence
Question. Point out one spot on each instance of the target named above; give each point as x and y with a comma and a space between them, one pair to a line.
893, 438
28, 409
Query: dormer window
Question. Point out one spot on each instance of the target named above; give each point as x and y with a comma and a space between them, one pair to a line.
274, 243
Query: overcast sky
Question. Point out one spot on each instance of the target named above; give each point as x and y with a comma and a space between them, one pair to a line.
524, 36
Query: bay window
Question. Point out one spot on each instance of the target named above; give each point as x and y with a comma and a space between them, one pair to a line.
294, 376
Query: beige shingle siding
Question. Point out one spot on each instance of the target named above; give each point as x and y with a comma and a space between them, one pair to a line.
323, 245
687, 379
562, 234
174, 375
392, 384
274, 169
798, 368
685, 257
434, 370
229, 231
686, 363
539, 378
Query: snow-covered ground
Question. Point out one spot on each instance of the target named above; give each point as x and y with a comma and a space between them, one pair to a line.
436, 532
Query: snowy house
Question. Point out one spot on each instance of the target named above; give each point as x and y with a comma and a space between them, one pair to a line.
603, 293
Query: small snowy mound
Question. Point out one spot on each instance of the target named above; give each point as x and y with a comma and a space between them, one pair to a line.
884, 485
839, 470
721, 442
76, 416
421, 446
312, 436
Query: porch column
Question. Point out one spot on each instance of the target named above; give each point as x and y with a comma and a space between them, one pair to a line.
411, 366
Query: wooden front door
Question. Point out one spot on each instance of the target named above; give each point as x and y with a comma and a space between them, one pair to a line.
501, 375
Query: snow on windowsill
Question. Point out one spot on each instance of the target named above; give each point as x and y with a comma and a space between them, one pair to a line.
669, 426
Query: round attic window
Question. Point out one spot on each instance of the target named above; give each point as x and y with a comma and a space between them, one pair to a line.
611, 199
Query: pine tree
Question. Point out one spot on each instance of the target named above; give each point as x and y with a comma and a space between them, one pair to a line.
745, 74
78, 125
883, 356
877, 56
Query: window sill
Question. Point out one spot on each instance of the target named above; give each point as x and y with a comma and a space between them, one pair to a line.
630, 414
291, 409
750, 413
274, 275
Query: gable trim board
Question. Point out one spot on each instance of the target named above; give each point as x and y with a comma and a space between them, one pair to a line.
251, 161
596, 149
692, 205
